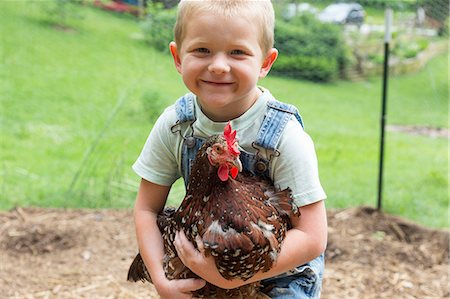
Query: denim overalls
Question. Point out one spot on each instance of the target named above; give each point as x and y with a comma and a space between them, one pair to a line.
304, 281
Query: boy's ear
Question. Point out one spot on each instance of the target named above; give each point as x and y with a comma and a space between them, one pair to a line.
176, 57
271, 56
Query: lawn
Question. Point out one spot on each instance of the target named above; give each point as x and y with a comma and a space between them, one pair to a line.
77, 105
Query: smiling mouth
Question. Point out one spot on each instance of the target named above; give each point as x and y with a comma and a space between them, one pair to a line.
217, 83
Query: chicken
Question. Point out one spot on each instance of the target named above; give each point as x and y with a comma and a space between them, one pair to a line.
242, 220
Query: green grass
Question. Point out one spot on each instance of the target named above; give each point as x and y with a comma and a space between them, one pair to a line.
72, 103
343, 119
77, 106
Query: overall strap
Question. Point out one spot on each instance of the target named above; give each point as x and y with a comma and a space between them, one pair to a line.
278, 115
185, 109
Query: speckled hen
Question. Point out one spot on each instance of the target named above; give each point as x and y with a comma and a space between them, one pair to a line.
241, 219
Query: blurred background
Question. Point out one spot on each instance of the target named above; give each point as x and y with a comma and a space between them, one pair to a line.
83, 81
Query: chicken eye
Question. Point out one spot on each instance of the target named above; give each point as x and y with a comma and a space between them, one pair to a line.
218, 149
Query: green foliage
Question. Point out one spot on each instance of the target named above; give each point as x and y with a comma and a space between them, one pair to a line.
401, 4
398, 4
343, 120
73, 112
158, 27
309, 49
377, 58
76, 110
63, 12
153, 104
444, 30
166, 3
436, 9
409, 48
320, 69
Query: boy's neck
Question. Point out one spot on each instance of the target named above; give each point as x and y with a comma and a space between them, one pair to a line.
228, 113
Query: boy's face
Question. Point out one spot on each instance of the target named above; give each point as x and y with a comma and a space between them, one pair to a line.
221, 62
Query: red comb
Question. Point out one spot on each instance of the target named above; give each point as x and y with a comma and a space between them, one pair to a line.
230, 137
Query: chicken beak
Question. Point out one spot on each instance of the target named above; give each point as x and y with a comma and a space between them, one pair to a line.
237, 163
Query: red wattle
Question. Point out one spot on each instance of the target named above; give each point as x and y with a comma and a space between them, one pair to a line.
223, 173
234, 172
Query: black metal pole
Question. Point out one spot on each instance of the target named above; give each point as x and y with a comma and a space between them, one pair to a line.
387, 39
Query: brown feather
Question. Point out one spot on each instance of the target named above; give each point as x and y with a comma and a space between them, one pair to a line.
242, 223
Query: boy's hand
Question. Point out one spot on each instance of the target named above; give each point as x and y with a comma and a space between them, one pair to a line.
201, 265
179, 288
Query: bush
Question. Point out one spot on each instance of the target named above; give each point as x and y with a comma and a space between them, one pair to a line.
311, 68
158, 27
63, 13
167, 3
408, 47
309, 49
438, 10
402, 4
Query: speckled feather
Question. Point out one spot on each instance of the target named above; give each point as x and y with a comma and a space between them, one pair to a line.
241, 221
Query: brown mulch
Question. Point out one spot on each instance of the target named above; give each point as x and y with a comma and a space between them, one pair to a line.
56, 253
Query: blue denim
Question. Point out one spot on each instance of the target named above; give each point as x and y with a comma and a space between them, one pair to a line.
304, 281
277, 116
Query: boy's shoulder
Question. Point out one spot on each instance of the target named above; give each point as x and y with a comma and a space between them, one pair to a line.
280, 105
178, 116
169, 114
166, 119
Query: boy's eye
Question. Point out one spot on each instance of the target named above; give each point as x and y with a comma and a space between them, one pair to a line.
202, 50
237, 52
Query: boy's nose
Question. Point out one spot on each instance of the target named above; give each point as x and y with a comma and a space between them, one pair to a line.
219, 64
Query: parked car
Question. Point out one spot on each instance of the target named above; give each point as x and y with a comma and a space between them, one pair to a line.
343, 13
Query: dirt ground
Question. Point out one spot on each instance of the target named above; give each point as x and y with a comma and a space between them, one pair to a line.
55, 253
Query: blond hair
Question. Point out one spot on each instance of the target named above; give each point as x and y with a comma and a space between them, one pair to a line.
259, 11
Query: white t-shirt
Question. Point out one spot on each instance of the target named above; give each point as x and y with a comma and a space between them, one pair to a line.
296, 166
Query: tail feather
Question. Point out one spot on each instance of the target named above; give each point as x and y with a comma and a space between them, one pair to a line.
138, 271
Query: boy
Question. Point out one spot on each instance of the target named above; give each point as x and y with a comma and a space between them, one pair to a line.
221, 49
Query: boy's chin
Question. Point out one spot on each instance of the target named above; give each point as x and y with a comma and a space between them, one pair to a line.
215, 100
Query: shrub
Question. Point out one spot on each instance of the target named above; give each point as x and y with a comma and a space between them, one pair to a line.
311, 68
63, 13
408, 47
158, 27
403, 4
309, 49
438, 10
167, 3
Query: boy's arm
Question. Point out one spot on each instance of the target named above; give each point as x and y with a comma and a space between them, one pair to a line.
150, 201
305, 241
